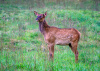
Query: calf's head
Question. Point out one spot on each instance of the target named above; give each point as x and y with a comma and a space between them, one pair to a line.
40, 17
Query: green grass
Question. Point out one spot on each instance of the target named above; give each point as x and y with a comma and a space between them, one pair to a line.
22, 45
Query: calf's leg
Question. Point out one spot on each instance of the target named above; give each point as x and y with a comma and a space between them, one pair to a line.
73, 47
51, 51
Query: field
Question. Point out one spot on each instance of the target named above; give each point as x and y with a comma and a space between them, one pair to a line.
22, 46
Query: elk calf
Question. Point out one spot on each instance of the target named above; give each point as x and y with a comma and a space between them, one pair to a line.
57, 36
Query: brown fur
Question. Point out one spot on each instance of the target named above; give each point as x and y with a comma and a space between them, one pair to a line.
57, 36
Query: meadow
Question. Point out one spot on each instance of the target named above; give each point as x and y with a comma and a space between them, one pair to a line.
22, 46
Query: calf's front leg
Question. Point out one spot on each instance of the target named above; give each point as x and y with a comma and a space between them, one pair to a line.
51, 51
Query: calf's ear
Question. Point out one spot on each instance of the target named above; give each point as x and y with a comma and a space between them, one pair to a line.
36, 13
45, 14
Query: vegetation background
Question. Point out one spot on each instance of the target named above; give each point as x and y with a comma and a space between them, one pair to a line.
22, 47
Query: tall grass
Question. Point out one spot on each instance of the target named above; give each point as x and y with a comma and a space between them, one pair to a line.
22, 46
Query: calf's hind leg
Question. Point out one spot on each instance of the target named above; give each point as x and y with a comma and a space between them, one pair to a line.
73, 47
